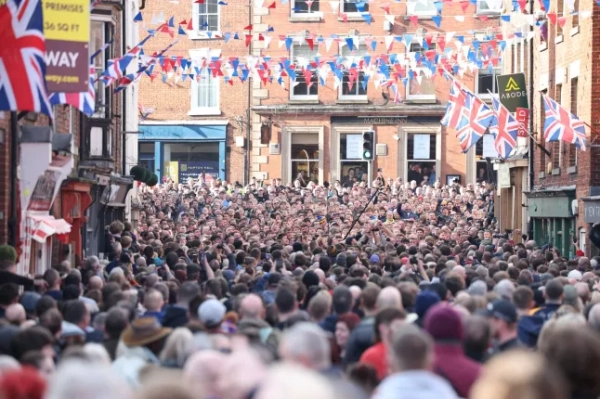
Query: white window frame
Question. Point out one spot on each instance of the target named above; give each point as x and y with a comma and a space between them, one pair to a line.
301, 97
434, 130
312, 15
489, 10
411, 5
357, 97
418, 97
286, 147
487, 96
101, 95
354, 13
197, 33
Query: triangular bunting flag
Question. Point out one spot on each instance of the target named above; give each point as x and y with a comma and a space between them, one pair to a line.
138, 17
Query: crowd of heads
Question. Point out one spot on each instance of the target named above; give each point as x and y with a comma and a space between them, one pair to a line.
388, 290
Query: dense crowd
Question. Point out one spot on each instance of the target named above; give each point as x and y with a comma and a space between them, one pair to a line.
345, 289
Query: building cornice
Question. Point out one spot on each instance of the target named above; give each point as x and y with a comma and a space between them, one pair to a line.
379, 110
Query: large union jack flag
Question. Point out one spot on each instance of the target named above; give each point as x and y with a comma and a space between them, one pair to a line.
505, 130
455, 107
22, 63
85, 101
560, 124
474, 121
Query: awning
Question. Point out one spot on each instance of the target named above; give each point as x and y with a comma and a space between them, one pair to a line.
45, 227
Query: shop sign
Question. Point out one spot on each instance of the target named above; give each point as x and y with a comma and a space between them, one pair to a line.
512, 91
591, 211
67, 34
194, 169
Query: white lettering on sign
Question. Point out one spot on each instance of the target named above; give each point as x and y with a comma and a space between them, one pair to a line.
62, 58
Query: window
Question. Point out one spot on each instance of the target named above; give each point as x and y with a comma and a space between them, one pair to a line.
489, 6
557, 146
354, 5
560, 6
574, 13
305, 156
421, 7
358, 89
205, 94
420, 156
208, 16
542, 154
421, 86
484, 171
305, 7
98, 141
301, 90
574, 111
100, 34
352, 168
486, 80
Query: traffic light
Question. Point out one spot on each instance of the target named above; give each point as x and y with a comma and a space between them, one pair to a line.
368, 145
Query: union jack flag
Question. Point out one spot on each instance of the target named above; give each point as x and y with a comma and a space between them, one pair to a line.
474, 121
85, 101
456, 105
560, 124
505, 130
22, 62
117, 67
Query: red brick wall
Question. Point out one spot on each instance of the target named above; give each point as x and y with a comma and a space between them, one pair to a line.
452, 161
173, 100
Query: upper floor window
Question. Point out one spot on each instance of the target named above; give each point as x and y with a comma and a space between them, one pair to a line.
486, 79
207, 18
353, 82
421, 7
100, 33
489, 6
305, 7
305, 87
205, 94
421, 86
354, 6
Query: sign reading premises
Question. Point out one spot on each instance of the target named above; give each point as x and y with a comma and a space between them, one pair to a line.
512, 91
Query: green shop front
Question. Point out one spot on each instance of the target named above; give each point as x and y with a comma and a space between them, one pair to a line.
551, 217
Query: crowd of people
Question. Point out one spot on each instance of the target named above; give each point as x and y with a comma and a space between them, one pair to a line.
385, 290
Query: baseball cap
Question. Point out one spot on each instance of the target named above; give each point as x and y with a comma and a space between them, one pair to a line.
211, 313
503, 310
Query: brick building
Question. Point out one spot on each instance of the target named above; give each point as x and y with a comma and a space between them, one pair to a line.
566, 184
94, 192
316, 129
195, 121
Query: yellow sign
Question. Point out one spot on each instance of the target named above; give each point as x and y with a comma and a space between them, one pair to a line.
172, 171
511, 85
67, 20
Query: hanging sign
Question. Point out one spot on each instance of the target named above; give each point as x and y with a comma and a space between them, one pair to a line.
512, 91
67, 33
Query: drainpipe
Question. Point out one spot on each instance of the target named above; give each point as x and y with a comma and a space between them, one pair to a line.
248, 111
531, 142
13, 222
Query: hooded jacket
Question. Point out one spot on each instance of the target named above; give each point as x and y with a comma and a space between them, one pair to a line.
419, 384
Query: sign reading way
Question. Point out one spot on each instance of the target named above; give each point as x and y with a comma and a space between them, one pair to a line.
512, 91
67, 32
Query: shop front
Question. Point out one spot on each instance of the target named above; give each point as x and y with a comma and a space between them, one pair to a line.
46, 161
591, 216
552, 218
76, 199
178, 152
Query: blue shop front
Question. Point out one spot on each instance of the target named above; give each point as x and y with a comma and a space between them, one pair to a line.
181, 151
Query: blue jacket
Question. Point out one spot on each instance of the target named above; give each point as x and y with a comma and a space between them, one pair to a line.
528, 330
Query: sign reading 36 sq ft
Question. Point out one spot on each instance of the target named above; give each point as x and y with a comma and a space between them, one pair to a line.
67, 33
512, 91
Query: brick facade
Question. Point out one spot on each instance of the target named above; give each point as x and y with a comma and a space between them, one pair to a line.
172, 100
273, 101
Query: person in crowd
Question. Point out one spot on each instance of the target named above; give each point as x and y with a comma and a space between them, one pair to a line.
362, 287
411, 361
